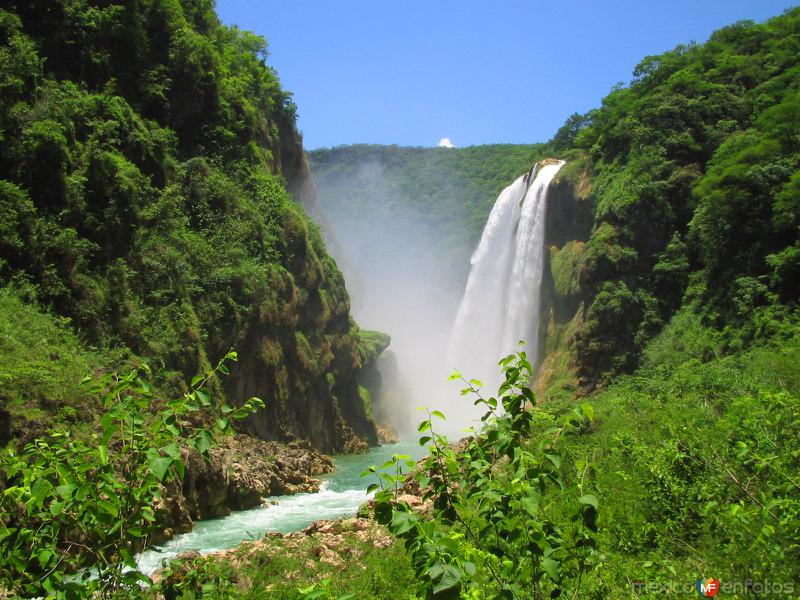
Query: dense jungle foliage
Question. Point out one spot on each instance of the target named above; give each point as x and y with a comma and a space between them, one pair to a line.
685, 471
675, 309
144, 156
694, 170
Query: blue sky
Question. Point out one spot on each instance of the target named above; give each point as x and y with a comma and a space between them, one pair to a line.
412, 72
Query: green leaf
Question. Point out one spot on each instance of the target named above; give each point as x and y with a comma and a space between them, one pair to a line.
531, 504
159, 465
44, 555
203, 441
203, 397
444, 577
4, 533
254, 404
102, 450
438, 414
172, 450
588, 411
589, 499
528, 393
197, 379
555, 459
402, 522
65, 491
39, 490
108, 507
552, 568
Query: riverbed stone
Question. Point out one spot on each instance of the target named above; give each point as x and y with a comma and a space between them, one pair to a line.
239, 473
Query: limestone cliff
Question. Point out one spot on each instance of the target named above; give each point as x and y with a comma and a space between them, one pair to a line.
564, 290
156, 194
240, 473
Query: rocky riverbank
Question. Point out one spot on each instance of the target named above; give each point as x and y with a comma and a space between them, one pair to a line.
241, 473
281, 564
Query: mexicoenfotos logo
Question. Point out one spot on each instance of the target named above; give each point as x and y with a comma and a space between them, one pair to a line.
707, 587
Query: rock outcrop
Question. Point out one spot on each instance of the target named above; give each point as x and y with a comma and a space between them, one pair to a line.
565, 291
240, 473
387, 436
330, 542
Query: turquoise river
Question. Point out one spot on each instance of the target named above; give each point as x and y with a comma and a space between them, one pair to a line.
341, 493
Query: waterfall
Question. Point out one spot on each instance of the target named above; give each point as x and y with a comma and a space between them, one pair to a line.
500, 305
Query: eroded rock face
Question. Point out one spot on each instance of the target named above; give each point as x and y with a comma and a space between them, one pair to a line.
387, 436
565, 289
239, 474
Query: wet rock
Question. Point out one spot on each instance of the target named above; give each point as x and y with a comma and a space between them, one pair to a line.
387, 436
355, 445
239, 473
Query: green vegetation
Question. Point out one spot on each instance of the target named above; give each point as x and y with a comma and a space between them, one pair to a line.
372, 343
445, 194
301, 569
503, 523
687, 469
694, 169
146, 150
74, 512
695, 461
41, 365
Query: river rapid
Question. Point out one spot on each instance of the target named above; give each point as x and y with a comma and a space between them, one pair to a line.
340, 495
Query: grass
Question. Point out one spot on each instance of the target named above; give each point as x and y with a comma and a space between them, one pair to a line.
41, 365
696, 466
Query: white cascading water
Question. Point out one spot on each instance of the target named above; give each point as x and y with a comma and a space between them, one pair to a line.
500, 305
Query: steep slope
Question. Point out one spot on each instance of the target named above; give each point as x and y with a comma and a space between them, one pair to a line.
144, 159
691, 176
402, 223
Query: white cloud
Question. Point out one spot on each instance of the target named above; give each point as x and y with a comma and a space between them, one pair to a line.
446, 143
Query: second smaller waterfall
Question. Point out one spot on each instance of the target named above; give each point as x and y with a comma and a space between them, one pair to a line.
500, 305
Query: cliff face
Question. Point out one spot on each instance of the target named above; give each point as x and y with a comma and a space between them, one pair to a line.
583, 336
154, 191
694, 168
565, 292
302, 357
